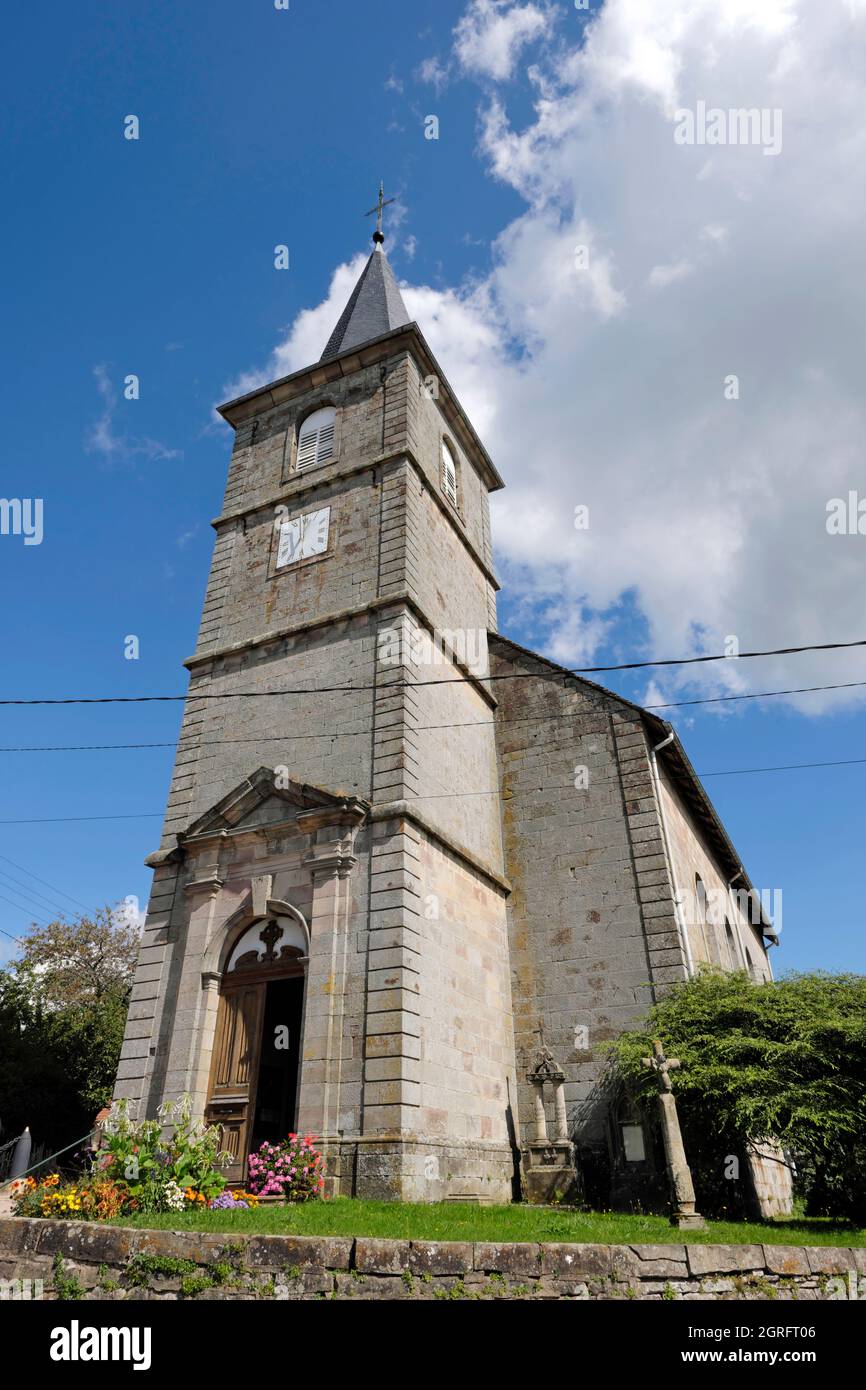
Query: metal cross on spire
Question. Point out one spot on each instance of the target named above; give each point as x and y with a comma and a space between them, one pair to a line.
378, 235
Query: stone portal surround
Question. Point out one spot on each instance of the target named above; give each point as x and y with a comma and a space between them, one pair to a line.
307, 1267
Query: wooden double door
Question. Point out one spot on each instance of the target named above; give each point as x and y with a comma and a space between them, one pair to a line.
253, 1092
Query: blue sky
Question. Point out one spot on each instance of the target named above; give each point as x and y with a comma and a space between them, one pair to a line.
155, 257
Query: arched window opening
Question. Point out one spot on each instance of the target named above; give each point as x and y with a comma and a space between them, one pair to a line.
449, 472
733, 963
316, 439
631, 1133
704, 925
700, 901
278, 941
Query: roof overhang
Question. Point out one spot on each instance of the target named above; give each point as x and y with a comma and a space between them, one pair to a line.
693, 792
408, 338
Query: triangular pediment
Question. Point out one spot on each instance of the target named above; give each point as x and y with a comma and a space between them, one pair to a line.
265, 798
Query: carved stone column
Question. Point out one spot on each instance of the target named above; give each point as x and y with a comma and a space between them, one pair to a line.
540, 1116
200, 1071
561, 1116
549, 1171
186, 1065
330, 861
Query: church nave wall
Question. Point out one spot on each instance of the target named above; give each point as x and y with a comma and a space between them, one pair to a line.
580, 943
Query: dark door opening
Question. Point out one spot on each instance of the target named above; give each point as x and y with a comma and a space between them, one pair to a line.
279, 1062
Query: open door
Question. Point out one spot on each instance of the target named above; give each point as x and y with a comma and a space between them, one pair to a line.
234, 1071
253, 1083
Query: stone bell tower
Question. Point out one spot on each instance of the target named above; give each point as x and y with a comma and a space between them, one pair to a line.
332, 818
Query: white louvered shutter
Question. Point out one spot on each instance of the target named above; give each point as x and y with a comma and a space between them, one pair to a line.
449, 474
316, 442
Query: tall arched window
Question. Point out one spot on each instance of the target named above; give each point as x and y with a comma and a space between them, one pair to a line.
706, 927
700, 900
316, 439
733, 963
449, 472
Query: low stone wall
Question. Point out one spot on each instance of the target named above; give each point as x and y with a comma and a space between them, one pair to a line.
87, 1260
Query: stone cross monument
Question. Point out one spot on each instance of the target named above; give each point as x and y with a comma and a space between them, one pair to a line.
679, 1175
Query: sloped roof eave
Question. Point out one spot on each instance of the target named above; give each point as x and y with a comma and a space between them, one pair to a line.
272, 394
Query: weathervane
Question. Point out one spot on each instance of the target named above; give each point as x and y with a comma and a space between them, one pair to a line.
378, 235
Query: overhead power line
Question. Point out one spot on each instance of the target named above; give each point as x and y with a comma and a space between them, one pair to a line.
30, 895
67, 820
782, 767
440, 796
414, 684
416, 728
43, 881
25, 912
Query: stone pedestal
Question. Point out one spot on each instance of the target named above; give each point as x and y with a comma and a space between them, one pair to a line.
549, 1172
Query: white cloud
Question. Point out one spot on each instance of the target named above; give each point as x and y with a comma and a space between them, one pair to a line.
434, 73
602, 383
183, 538
493, 33
130, 913
305, 341
708, 513
116, 446
662, 275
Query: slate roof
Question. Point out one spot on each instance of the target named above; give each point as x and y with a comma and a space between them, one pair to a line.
375, 307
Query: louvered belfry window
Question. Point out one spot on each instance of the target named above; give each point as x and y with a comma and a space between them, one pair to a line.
449, 473
316, 440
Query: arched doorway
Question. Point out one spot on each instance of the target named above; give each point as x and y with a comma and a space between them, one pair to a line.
255, 1067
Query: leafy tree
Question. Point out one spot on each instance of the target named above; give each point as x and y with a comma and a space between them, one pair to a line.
784, 1060
63, 1006
83, 961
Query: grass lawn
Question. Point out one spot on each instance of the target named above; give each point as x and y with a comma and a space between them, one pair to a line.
346, 1216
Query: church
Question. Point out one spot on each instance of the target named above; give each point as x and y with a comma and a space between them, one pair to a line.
412, 875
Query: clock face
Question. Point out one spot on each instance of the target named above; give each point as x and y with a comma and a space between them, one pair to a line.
303, 537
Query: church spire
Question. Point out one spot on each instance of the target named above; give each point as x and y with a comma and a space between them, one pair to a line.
376, 305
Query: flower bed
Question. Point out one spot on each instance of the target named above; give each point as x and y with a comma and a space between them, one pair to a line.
291, 1170
142, 1172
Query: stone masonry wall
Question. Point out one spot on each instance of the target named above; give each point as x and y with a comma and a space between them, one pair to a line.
581, 950
693, 859
88, 1260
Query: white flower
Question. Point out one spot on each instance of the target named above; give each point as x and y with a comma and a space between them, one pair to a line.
173, 1196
